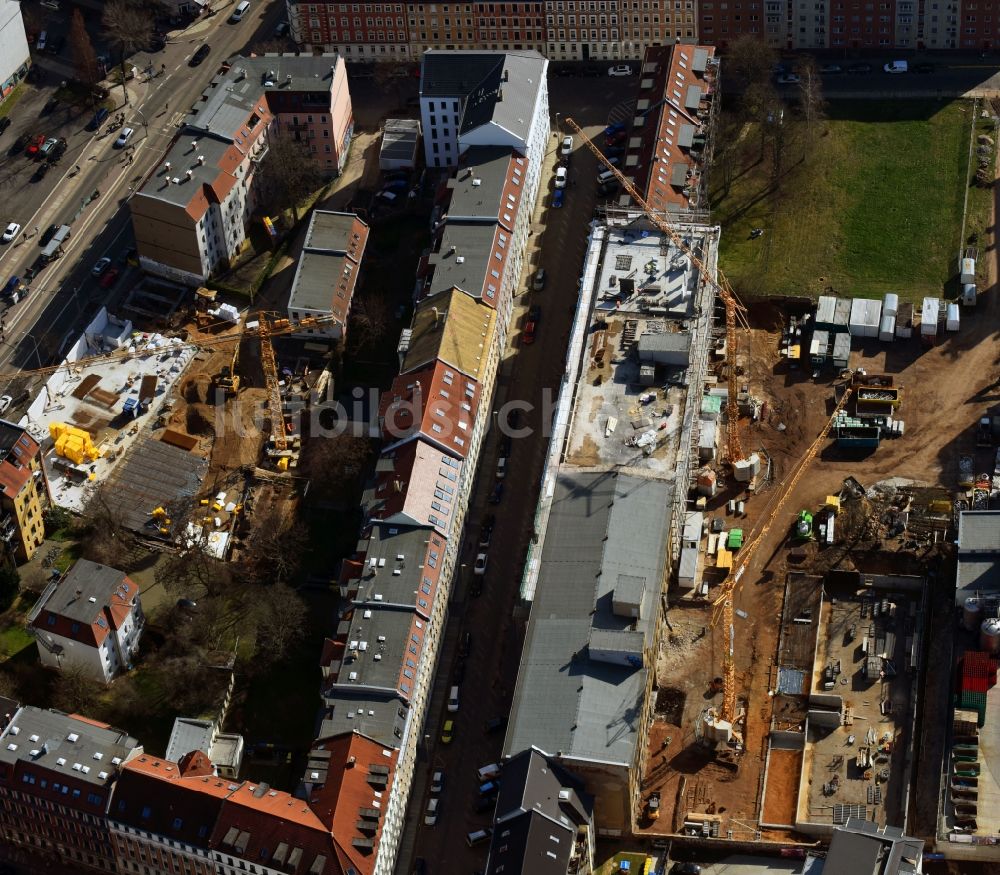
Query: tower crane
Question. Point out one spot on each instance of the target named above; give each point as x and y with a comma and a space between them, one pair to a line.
723, 604
735, 311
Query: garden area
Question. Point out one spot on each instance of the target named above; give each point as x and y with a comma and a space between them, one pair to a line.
866, 201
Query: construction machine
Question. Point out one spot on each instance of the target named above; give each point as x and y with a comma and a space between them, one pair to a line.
228, 379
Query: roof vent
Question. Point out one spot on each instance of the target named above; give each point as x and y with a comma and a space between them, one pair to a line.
201, 159
175, 181
288, 79
166, 165
194, 145
477, 181
351, 761
189, 173
460, 259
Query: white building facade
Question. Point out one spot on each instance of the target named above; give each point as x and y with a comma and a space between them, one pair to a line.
15, 56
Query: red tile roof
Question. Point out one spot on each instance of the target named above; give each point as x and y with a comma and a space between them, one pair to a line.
357, 784
20, 450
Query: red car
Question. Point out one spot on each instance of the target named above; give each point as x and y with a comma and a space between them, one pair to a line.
35, 146
110, 277
529, 332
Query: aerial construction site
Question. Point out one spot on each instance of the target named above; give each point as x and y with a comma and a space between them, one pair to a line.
805, 522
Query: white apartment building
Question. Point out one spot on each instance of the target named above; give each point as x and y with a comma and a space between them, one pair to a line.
14, 54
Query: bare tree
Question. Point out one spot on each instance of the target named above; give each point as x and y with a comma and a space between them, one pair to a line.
129, 27
104, 537
281, 622
75, 689
370, 318
82, 50
192, 572
335, 464
272, 552
289, 172
749, 60
392, 74
811, 95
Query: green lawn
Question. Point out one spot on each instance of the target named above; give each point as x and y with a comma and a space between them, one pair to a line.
13, 639
873, 205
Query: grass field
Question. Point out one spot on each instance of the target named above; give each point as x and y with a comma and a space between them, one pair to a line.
873, 205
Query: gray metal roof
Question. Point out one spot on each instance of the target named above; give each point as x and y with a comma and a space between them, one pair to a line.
380, 716
602, 525
465, 268
860, 847
685, 136
477, 188
182, 159
189, 734
377, 647
979, 531
61, 744
479, 78
323, 260
394, 581
86, 580
400, 137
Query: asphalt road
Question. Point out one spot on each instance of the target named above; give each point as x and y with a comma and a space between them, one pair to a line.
38, 329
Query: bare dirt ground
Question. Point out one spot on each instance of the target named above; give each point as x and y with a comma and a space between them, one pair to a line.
784, 771
946, 389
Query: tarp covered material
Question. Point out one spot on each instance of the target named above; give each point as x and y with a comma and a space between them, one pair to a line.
73, 443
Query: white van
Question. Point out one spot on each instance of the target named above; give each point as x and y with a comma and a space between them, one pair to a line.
896, 67
605, 176
43, 38
453, 700
240, 11
488, 772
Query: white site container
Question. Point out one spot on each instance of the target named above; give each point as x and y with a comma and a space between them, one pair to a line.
969, 294
929, 311
887, 330
865, 317
890, 305
967, 270
951, 323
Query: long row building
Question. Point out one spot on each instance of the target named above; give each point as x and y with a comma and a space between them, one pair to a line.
574, 30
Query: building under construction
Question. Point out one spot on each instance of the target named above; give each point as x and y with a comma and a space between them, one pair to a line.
621, 463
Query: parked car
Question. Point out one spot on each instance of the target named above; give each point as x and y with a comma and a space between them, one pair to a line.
40, 172
98, 119
495, 724
485, 535
437, 783
465, 646
608, 188
538, 281
528, 337
57, 151
685, 869
859, 69
187, 604
124, 137
47, 234
35, 146
110, 278
281, 29
100, 266
566, 147
476, 587
51, 105
614, 128
11, 231
497, 494
831, 69
448, 732
481, 561
484, 803
620, 70
561, 177
433, 809
558, 198
614, 151
200, 55
535, 314
501, 467
788, 79
11, 285
896, 67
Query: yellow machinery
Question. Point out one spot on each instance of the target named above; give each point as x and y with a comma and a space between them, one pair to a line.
228, 380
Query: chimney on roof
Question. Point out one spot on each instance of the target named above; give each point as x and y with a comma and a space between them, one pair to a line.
201, 159
288, 79
189, 173
166, 165
194, 145
351, 761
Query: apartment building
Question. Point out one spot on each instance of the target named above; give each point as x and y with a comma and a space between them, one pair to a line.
192, 215
471, 98
669, 145
90, 618
15, 56
357, 31
23, 492
328, 272
584, 30
57, 772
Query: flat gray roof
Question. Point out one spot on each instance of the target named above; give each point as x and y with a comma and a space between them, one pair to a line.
466, 267
978, 553
379, 715
182, 159
61, 744
393, 580
399, 139
86, 580
477, 188
665, 341
324, 260
602, 525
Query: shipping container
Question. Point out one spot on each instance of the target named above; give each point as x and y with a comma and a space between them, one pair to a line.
967, 270
929, 315
952, 320
819, 347
969, 294
887, 330
841, 355
890, 304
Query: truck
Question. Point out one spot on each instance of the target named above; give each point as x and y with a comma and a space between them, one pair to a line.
984, 433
